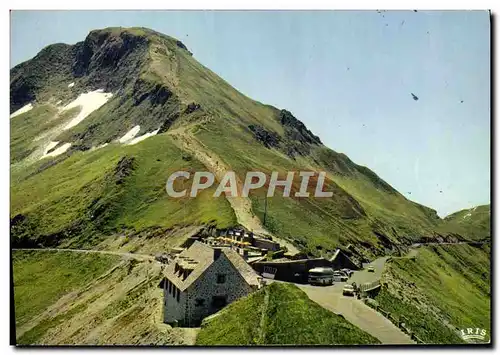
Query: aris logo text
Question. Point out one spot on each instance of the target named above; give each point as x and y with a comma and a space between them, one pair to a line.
473, 334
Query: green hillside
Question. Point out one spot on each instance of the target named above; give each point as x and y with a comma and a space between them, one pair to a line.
104, 190
116, 188
75, 298
158, 85
474, 223
440, 291
280, 314
40, 279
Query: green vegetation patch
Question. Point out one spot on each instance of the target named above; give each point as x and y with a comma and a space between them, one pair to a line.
426, 326
473, 223
42, 277
33, 335
280, 314
448, 284
107, 190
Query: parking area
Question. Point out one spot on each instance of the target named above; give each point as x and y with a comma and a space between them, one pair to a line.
354, 310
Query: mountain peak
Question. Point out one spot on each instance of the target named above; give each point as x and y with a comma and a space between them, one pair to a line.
139, 32
149, 84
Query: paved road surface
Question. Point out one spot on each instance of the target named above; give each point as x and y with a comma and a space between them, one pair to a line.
357, 313
363, 276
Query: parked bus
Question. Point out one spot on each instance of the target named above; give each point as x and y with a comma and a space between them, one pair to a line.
321, 276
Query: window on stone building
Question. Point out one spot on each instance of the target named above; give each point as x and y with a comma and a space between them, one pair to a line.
219, 302
169, 287
178, 295
221, 278
173, 293
200, 302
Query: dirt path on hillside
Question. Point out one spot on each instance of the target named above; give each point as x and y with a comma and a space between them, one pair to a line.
262, 324
242, 206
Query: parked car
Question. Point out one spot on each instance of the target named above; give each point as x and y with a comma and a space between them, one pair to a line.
371, 269
348, 290
348, 272
341, 276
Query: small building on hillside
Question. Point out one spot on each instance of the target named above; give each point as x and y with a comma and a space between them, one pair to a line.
265, 244
202, 280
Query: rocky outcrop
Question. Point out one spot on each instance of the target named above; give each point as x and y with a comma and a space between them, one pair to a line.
123, 169
49, 67
295, 130
168, 123
267, 138
156, 93
110, 59
183, 46
192, 107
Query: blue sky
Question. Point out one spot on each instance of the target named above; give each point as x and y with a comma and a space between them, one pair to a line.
348, 75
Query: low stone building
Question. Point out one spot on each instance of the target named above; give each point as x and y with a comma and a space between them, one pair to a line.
202, 280
265, 244
289, 270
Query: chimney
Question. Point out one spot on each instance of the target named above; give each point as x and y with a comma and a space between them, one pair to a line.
217, 252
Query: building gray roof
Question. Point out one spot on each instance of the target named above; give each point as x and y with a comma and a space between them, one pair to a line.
198, 257
242, 267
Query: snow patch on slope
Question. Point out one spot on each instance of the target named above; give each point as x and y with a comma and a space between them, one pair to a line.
89, 102
130, 134
55, 152
22, 110
98, 147
143, 137
49, 147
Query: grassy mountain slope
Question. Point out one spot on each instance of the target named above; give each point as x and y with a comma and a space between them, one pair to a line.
441, 290
67, 298
41, 279
474, 223
27, 130
280, 314
158, 85
116, 188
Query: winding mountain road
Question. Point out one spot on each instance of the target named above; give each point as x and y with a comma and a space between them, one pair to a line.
357, 313
364, 276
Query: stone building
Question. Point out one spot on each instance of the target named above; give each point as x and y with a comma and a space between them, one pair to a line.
202, 280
